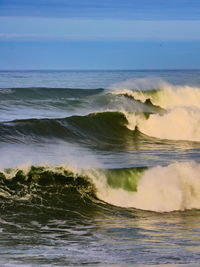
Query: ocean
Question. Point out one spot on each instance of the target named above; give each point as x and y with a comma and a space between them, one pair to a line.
100, 168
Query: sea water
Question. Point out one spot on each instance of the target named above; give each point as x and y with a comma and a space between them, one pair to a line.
100, 168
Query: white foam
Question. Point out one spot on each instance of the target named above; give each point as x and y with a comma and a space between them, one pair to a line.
177, 96
176, 124
161, 189
167, 96
182, 104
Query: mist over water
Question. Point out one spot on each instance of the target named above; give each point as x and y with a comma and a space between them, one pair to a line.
99, 168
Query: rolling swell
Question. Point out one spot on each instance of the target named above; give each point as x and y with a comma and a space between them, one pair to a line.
39, 93
96, 127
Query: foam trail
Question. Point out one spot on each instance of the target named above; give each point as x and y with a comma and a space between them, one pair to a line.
161, 189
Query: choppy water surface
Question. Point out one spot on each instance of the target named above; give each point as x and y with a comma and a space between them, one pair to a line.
99, 168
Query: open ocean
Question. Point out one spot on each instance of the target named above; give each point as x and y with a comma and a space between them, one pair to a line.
100, 168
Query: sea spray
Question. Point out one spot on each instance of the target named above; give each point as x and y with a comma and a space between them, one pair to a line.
139, 84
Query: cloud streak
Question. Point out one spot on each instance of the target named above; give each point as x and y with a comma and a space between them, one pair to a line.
97, 30
124, 9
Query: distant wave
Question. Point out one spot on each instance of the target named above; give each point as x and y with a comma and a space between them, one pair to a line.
31, 93
170, 112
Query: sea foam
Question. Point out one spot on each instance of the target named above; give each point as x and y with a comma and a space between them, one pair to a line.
162, 189
176, 124
181, 119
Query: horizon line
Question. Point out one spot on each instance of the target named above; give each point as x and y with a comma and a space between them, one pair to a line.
156, 69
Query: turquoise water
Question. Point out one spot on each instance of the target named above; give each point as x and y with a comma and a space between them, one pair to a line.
99, 168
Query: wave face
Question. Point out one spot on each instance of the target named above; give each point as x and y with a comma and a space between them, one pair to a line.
162, 189
90, 128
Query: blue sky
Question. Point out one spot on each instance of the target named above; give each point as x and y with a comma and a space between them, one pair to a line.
106, 34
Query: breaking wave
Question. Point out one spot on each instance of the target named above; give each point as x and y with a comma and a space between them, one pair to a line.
176, 110
175, 187
176, 124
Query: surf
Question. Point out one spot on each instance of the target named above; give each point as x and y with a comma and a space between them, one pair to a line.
169, 188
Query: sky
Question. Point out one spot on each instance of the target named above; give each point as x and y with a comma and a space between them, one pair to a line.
94, 34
